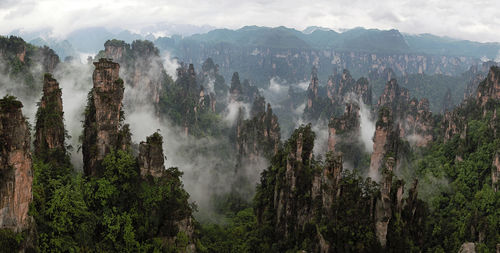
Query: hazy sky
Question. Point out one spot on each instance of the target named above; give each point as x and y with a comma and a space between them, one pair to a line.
477, 20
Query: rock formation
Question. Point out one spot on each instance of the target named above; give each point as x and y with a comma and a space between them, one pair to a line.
151, 158
339, 86
418, 123
103, 129
49, 128
344, 125
383, 209
312, 90
142, 68
394, 97
489, 89
259, 135
385, 141
15, 166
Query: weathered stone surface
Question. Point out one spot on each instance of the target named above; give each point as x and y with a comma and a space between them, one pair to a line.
341, 85
383, 211
50, 133
312, 90
142, 68
260, 135
349, 122
467, 247
151, 158
489, 89
16, 176
103, 116
495, 172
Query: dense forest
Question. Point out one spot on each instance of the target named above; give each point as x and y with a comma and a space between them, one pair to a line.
189, 162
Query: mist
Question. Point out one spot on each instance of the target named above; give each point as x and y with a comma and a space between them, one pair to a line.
367, 127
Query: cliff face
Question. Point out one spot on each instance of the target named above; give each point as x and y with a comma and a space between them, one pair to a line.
242, 91
489, 89
413, 117
312, 90
418, 124
103, 117
385, 141
16, 176
394, 97
346, 126
260, 135
300, 197
495, 172
340, 85
214, 84
475, 75
293, 64
151, 158
383, 209
142, 68
49, 126
293, 211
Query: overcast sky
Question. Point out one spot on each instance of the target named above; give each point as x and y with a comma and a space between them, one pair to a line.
477, 20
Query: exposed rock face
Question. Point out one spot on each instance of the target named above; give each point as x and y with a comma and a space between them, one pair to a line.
50, 133
495, 172
476, 75
395, 97
489, 89
467, 247
383, 212
151, 158
418, 124
242, 91
340, 85
214, 83
413, 117
102, 126
260, 135
312, 90
272, 61
347, 123
16, 176
142, 68
386, 140
293, 214
453, 123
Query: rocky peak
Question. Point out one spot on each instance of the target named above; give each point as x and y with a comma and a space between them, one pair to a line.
259, 135
15, 166
395, 97
348, 122
115, 49
49, 129
103, 130
151, 158
341, 85
383, 211
385, 141
141, 65
489, 89
312, 90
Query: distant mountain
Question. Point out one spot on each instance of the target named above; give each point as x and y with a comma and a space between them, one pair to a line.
357, 39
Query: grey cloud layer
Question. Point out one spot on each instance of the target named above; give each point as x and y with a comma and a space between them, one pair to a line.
464, 19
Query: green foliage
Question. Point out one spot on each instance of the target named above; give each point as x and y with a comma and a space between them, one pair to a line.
9, 104
10, 241
463, 205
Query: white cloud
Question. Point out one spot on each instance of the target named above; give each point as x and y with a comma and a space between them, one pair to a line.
464, 19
